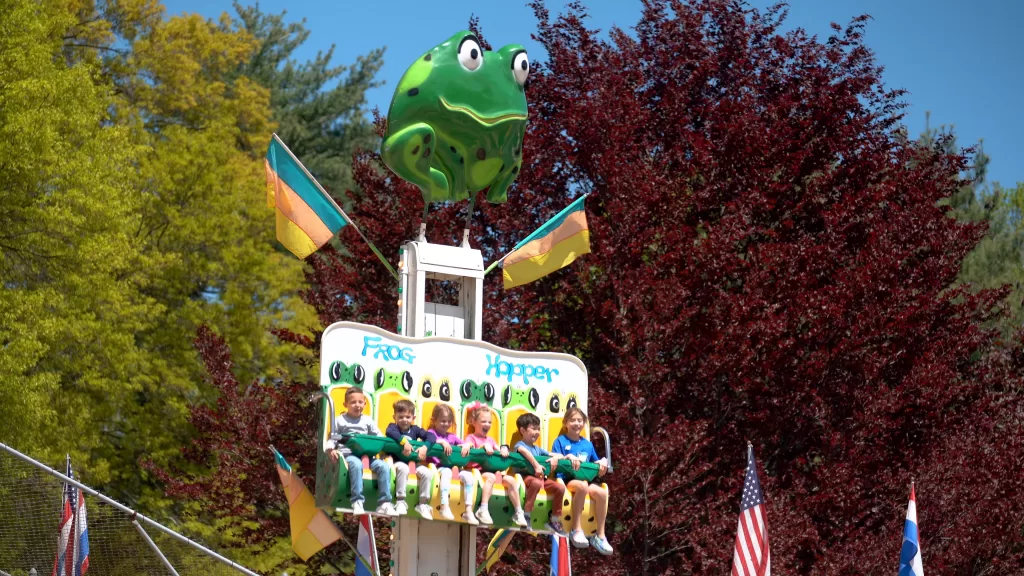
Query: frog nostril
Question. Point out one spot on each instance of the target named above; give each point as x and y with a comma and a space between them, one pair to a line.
452, 148
415, 150
414, 91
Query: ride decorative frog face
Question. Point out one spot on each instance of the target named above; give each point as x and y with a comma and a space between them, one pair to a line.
457, 120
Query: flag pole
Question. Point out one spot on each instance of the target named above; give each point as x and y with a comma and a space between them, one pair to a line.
534, 234
338, 208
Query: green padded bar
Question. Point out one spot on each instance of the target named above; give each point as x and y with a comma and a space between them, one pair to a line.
364, 445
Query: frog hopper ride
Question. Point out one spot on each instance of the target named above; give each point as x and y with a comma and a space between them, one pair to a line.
351, 349
457, 120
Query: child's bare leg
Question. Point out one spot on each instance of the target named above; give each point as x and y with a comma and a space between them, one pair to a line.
579, 490
600, 498
512, 491
485, 494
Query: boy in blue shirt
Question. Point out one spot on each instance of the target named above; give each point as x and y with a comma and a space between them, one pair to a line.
402, 431
533, 477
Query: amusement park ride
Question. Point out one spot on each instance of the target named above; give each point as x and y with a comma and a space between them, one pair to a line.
456, 126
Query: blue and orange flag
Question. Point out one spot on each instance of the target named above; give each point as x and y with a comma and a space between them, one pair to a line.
551, 247
307, 218
312, 529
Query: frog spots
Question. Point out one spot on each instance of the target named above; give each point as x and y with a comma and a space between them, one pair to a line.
413, 91
452, 148
427, 138
515, 169
416, 150
481, 154
427, 57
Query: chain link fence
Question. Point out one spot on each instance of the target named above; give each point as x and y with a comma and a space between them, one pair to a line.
30, 514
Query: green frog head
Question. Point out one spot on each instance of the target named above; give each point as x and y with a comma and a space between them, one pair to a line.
457, 120
401, 381
525, 397
341, 373
473, 392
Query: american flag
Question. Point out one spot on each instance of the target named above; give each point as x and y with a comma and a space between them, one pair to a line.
73, 544
751, 557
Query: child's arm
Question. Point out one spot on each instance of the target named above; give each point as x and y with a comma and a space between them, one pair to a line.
522, 449
395, 434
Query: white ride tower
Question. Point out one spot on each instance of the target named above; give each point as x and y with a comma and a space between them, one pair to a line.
437, 548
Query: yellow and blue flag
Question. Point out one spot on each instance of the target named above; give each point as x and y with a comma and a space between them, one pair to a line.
551, 247
307, 218
496, 548
312, 529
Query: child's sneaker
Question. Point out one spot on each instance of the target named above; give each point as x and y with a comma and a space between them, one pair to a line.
528, 518
484, 516
424, 510
470, 518
357, 509
519, 519
401, 508
579, 539
601, 545
555, 526
386, 509
446, 512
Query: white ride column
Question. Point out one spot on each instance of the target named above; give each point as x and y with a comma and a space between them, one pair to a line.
421, 547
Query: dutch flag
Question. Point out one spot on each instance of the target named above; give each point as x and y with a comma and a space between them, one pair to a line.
910, 555
366, 546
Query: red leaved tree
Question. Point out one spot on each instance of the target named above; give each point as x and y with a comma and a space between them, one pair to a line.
770, 262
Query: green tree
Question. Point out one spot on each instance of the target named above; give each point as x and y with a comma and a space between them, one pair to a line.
74, 286
320, 108
998, 260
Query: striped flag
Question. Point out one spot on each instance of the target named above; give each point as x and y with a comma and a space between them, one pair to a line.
560, 564
751, 556
307, 218
366, 547
312, 530
496, 548
73, 543
551, 247
910, 555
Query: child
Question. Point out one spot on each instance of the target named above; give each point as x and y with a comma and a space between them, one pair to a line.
533, 477
402, 431
354, 422
578, 449
480, 418
441, 421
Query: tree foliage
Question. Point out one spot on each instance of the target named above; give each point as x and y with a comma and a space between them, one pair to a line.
74, 287
773, 261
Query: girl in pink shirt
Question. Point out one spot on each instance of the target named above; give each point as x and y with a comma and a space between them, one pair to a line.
480, 419
441, 421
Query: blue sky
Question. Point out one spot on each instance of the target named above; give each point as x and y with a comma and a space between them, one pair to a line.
961, 61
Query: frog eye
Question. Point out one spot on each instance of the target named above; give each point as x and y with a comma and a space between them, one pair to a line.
521, 67
470, 55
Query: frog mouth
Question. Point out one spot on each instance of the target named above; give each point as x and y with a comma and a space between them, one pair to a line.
482, 119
